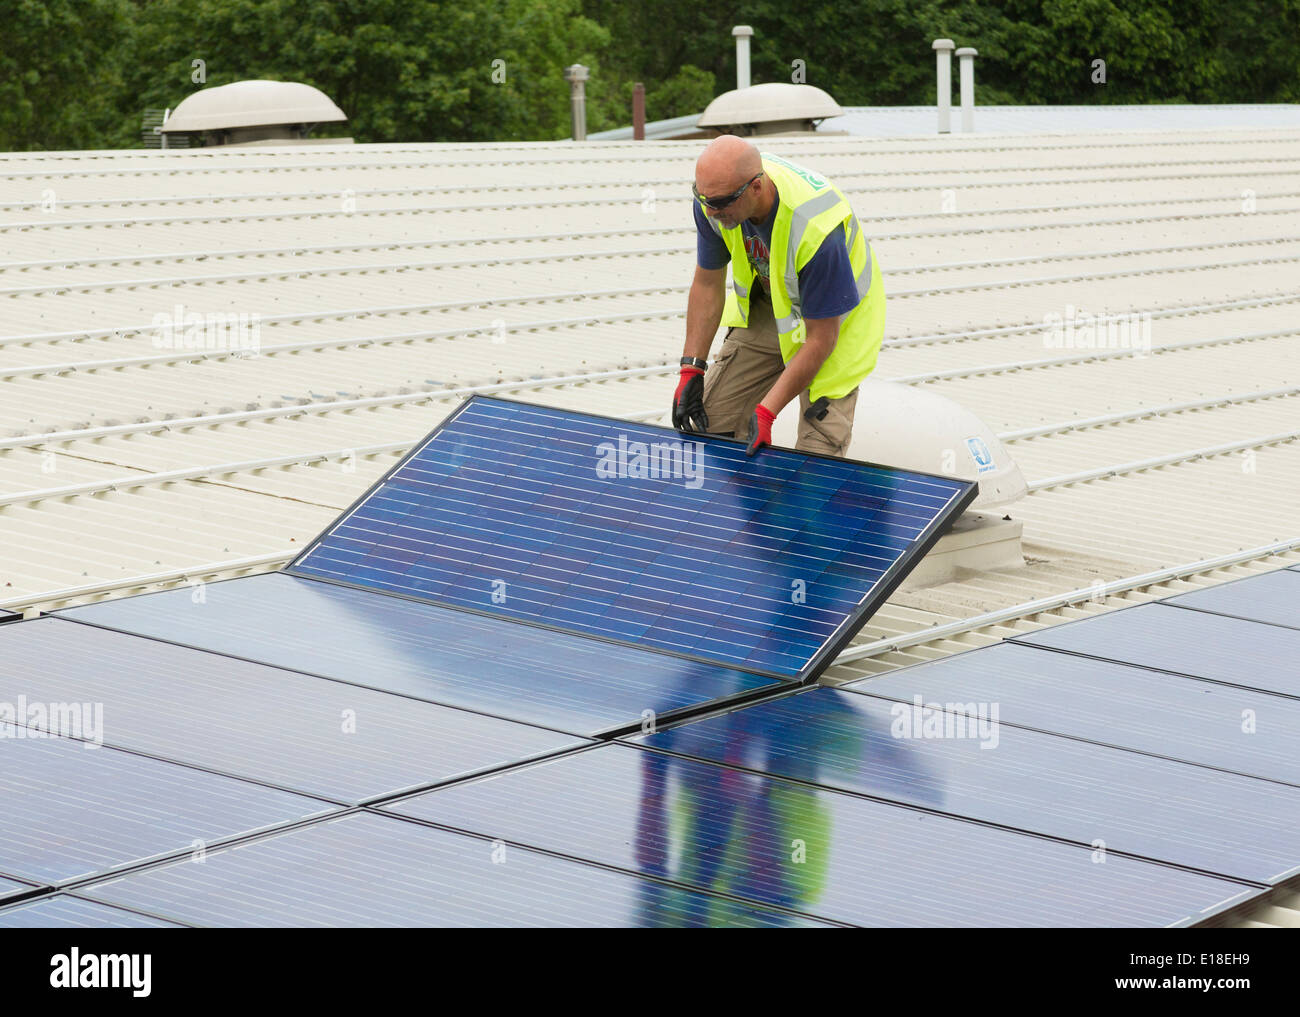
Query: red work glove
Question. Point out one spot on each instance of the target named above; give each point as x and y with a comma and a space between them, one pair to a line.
688, 402
760, 429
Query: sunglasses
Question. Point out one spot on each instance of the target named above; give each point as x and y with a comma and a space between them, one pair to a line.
718, 204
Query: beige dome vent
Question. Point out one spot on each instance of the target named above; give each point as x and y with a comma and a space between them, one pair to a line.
770, 108
253, 111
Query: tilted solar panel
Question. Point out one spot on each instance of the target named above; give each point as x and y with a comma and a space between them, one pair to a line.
1115, 704
373, 870
72, 809
267, 724
61, 911
810, 849
1198, 644
519, 672
640, 534
972, 766
8, 616
1273, 598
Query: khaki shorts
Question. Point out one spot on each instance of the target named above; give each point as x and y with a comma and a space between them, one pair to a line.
745, 370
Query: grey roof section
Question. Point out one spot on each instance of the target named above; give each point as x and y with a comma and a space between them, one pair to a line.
655, 130
903, 121
896, 121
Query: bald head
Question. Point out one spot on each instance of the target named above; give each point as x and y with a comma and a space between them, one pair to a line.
725, 164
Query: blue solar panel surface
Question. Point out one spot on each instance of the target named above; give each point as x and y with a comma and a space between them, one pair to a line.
63, 912
1273, 598
1116, 704
1195, 643
73, 810
250, 720
816, 851
545, 516
373, 870
1045, 784
519, 672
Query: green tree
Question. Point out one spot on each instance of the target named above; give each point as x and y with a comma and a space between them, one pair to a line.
61, 66
402, 71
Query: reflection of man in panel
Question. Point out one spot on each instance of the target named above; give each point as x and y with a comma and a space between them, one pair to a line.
807, 306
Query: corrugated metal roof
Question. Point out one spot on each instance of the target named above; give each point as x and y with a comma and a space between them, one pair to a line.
391, 280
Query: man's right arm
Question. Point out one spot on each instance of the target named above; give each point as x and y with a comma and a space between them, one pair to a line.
704, 310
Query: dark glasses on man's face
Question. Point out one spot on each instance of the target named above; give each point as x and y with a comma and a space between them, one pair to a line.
718, 204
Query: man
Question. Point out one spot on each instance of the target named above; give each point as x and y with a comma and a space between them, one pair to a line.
806, 312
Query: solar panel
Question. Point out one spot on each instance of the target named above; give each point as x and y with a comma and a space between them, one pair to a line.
635, 533
250, 720
1273, 598
1117, 704
552, 679
1026, 780
820, 852
7, 616
1193, 643
371, 870
73, 810
63, 912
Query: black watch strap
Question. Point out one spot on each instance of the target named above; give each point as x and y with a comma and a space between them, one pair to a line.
703, 365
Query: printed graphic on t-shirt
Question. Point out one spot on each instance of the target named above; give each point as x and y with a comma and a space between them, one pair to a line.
758, 255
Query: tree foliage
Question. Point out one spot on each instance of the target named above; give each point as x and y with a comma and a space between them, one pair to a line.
80, 73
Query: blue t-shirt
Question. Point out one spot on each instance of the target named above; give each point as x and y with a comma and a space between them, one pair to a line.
827, 287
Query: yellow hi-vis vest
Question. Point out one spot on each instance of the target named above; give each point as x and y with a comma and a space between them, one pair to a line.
811, 207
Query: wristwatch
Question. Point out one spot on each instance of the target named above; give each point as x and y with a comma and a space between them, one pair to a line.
703, 365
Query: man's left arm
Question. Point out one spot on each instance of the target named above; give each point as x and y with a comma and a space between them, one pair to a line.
804, 365
829, 292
